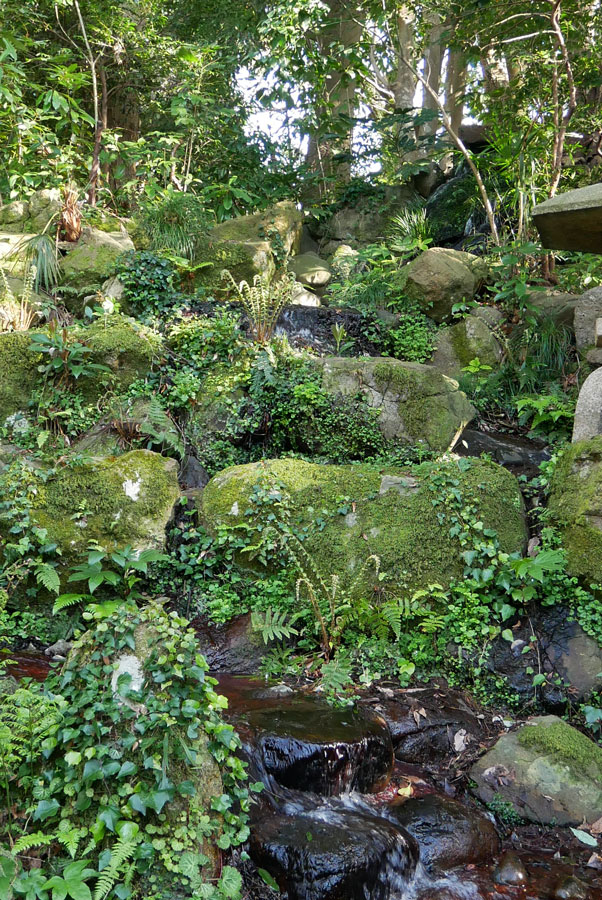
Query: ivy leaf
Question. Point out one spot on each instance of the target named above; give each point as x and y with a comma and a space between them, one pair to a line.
137, 804
45, 809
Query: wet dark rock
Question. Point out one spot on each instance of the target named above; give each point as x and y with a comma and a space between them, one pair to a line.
233, 647
304, 744
571, 888
514, 451
193, 476
510, 870
448, 832
425, 721
334, 851
307, 326
571, 658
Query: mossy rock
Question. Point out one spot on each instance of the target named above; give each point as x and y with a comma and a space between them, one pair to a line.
18, 372
459, 344
550, 773
576, 505
364, 510
248, 245
440, 278
11, 258
127, 348
418, 405
113, 501
92, 259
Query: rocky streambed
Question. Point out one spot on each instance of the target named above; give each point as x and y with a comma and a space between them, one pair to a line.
372, 802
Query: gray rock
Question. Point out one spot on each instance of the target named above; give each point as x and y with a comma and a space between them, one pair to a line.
588, 310
570, 658
417, 403
552, 305
448, 832
491, 315
550, 772
59, 648
300, 296
89, 261
588, 414
571, 888
439, 278
457, 345
310, 270
572, 220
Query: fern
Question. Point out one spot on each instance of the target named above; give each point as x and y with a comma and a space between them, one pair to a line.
37, 839
273, 624
121, 853
67, 600
263, 301
47, 576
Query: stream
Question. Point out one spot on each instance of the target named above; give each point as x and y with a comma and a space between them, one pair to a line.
348, 814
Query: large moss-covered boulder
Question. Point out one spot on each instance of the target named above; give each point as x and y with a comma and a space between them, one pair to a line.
576, 505
126, 348
363, 510
457, 345
440, 278
550, 773
113, 502
123, 345
418, 405
365, 217
88, 262
249, 245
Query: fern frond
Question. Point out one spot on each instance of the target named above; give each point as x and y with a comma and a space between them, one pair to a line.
121, 852
48, 577
66, 600
37, 839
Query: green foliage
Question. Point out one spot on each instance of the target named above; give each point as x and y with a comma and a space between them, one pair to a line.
413, 338
110, 773
68, 358
174, 223
40, 254
410, 233
149, 282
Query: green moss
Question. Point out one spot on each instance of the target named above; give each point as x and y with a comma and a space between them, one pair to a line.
18, 372
123, 345
576, 506
399, 525
242, 259
95, 502
566, 743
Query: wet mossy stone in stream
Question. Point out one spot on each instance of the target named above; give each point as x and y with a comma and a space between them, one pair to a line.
576, 506
417, 404
304, 744
363, 510
550, 772
334, 850
113, 502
